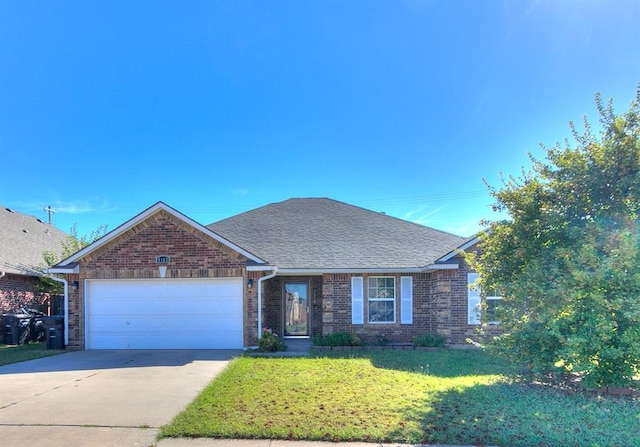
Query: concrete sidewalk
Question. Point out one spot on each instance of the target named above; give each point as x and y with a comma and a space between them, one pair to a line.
200, 442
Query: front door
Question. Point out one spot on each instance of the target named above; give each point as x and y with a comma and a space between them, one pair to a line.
296, 309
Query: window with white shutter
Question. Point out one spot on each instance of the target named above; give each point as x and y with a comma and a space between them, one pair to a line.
357, 300
406, 300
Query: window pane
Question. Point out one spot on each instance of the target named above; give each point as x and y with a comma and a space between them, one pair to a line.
381, 311
381, 288
492, 310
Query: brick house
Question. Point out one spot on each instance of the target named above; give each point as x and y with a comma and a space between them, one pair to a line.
23, 240
301, 267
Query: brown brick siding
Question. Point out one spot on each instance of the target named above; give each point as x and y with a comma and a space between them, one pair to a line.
439, 307
338, 309
439, 297
18, 291
133, 255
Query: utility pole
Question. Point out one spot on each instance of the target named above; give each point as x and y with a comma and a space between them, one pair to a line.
50, 211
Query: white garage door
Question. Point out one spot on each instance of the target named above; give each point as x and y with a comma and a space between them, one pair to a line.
164, 314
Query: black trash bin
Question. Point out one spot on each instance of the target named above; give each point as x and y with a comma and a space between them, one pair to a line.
54, 328
16, 328
7, 331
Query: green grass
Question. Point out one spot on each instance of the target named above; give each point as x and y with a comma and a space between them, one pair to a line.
448, 397
20, 353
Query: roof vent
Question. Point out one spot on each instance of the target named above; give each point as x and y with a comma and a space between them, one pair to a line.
39, 220
25, 231
10, 210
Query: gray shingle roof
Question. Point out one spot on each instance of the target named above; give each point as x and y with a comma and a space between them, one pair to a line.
323, 234
23, 239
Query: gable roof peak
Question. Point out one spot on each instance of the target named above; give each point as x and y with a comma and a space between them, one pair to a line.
150, 211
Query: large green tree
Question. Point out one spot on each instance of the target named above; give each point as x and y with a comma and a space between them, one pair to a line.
567, 260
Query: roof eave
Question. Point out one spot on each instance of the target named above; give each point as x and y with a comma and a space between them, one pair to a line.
456, 251
69, 269
373, 270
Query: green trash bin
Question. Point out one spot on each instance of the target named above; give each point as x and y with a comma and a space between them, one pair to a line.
54, 329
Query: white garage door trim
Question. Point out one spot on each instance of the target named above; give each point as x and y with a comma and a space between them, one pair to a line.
163, 313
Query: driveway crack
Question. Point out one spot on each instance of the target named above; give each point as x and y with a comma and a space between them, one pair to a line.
10, 404
135, 427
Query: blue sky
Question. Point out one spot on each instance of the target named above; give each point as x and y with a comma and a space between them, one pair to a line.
218, 107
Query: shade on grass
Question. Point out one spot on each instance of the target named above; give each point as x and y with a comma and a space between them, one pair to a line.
398, 396
20, 353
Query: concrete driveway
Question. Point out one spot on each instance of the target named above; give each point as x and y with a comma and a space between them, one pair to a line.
107, 398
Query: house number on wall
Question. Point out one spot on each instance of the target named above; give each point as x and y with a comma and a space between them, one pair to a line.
163, 259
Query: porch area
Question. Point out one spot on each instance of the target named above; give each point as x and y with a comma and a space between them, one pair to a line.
292, 308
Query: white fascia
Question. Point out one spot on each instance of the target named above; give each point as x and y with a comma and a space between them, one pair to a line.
460, 249
316, 272
261, 268
62, 270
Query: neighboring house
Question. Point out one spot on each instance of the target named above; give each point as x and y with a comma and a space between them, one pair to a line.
301, 267
23, 240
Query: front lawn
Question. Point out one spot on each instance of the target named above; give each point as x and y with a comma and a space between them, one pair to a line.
448, 397
20, 353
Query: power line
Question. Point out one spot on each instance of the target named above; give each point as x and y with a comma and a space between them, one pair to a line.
50, 211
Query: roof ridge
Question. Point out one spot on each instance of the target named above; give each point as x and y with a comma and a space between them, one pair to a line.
384, 214
330, 199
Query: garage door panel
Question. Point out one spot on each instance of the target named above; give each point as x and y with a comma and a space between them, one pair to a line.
164, 314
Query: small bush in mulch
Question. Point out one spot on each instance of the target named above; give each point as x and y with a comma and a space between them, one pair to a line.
429, 340
270, 342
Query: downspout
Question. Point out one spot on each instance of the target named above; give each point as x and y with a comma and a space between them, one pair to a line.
2, 274
260, 280
66, 307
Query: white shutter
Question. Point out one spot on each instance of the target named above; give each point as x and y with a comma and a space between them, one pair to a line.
473, 299
406, 300
357, 300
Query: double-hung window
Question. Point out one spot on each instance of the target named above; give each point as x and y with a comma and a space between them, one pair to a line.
476, 311
381, 294
492, 301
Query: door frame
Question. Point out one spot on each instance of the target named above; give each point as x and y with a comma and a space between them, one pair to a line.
307, 310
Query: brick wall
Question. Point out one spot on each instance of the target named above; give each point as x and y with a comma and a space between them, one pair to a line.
272, 305
337, 309
439, 307
18, 291
251, 310
133, 255
450, 290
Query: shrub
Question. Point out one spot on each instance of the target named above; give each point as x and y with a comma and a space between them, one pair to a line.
337, 339
429, 340
270, 342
